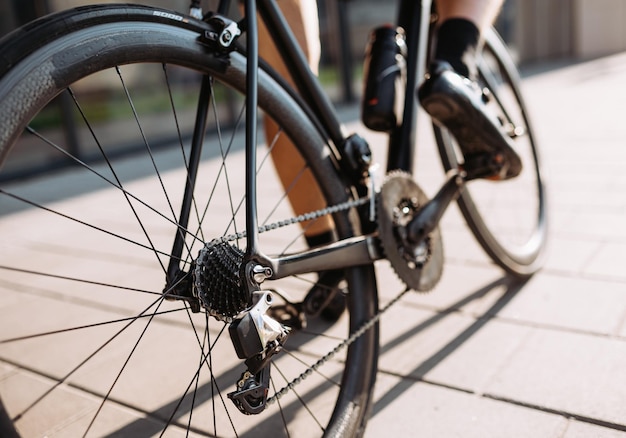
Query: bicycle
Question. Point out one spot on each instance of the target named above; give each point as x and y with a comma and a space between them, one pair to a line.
128, 257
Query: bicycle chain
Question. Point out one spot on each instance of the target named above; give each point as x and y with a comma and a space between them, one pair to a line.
295, 220
343, 344
354, 336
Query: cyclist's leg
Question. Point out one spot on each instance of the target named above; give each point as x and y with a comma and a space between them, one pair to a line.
304, 195
301, 188
481, 12
461, 26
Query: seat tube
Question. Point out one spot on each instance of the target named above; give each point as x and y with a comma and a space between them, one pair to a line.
252, 44
414, 18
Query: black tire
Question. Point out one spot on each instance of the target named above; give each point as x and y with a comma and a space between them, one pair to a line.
84, 249
508, 218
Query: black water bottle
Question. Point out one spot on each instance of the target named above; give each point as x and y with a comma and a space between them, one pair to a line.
385, 79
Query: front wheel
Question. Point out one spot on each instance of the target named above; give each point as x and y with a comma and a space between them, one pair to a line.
508, 218
89, 344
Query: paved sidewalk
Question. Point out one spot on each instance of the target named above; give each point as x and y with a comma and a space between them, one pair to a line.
485, 358
482, 356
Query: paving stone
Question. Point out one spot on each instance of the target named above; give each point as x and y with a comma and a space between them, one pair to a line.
6, 370
437, 412
569, 255
60, 409
592, 306
577, 429
114, 420
608, 262
557, 342
471, 360
577, 373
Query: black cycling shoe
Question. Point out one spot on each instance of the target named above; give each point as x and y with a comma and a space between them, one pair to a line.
327, 298
457, 103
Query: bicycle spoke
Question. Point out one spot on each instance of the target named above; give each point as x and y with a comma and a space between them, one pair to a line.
224, 153
196, 380
145, 140
307, 365
79, 280
302, 402
84, 268
78, 221
108, 181
87, 326
283, 417
106, 396
82, 363
185, 160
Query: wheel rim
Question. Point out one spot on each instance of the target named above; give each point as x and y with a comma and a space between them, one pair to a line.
507, 217
133, 203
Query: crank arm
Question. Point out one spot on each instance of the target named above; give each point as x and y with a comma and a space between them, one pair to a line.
429, 215
346, 253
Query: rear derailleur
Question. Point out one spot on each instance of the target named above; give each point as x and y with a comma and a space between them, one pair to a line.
257, 338
259, 321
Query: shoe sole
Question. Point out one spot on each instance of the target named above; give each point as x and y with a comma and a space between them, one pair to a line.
476, 134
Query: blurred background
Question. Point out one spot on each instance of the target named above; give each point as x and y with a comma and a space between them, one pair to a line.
537, 29
540, 33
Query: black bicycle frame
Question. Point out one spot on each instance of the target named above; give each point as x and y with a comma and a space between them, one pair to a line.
414, 17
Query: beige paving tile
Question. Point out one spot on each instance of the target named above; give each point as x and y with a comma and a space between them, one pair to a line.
436, 412
577, 429
472, 359
575, 373
411, 337
60, 409
622, 331
79, 414
6, 370
607, 227
608, 262
115, 420
569, 255
592, 306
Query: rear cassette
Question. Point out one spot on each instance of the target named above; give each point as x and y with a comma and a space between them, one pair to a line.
217, 282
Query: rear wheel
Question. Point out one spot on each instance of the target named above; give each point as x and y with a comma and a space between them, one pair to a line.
508, 218
88, 343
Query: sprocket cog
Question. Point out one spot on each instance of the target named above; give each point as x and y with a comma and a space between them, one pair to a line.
419, 265
217, 282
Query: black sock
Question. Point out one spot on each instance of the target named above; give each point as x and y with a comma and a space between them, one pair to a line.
320, 239
457, 41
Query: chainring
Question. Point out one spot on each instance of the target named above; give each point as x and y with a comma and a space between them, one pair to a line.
419, 265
